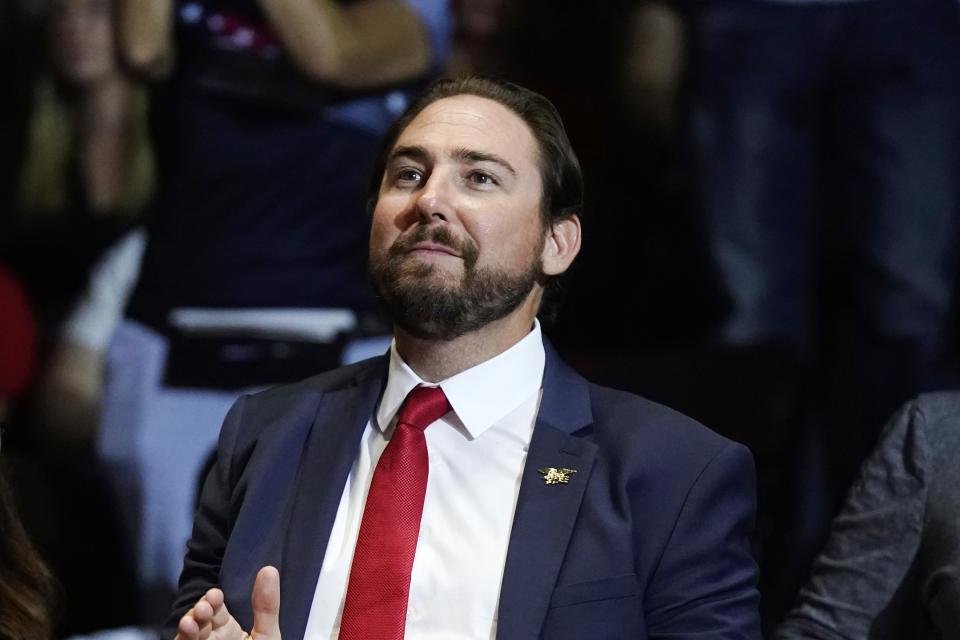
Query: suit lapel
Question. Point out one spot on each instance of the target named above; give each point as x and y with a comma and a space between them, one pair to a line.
546, 514
328, 456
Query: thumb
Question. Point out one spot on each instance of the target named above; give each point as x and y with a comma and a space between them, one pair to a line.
266, 605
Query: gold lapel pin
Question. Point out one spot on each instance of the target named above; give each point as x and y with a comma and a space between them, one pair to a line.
553, 475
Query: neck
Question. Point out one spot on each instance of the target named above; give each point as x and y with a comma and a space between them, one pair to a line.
436, 360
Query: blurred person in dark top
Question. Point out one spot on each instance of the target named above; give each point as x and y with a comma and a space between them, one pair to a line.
267, 116
88, 148
86, 171
826, 147
88, 174
268, 113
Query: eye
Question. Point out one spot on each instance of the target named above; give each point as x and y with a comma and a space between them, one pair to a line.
408, 177
482, 178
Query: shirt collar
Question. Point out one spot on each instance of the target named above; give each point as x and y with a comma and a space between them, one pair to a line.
511, 377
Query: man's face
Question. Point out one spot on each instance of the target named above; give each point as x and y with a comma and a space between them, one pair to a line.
457, 236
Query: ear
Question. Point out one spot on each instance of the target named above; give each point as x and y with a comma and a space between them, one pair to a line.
562, 245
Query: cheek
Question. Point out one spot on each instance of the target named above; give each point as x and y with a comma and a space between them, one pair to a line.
383, 232
394, 210
507, 238
378, 244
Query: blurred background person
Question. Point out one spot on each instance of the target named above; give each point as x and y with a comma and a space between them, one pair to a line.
825, 148
825, 139
87, 176
267, 114
81, 174
88, 150
86, 173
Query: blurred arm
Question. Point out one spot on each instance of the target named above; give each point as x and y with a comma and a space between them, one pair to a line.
145, 35
70, 390
363, 44
872, 543
69, 395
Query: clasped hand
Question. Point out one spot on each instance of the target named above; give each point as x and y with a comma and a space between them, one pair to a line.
210, 620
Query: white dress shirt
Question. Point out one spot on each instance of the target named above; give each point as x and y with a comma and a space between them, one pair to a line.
477, 452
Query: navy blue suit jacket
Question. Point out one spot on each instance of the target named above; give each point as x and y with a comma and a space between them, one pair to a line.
648, 540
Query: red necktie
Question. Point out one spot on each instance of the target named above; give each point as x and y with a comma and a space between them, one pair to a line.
376, 602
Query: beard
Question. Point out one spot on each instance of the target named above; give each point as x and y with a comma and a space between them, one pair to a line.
429, 304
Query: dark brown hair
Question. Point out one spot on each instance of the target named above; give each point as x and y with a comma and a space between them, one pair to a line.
560, 172
27, 588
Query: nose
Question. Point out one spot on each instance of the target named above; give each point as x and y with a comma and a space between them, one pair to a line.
434, 203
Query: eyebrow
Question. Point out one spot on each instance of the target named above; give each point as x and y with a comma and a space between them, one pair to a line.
461, 154
473, 157
414, 152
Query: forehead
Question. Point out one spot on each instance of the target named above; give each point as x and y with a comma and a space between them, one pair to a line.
474, 123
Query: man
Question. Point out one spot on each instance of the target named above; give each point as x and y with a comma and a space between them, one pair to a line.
554, 508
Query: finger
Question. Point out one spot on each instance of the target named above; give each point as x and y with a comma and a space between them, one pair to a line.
214, 596
266, 605
220, 615
188, 628
202, 614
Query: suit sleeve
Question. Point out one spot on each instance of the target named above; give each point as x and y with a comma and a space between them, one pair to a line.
211, 526
705, 583
872, 542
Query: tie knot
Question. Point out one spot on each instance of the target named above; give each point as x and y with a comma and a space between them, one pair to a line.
423, 406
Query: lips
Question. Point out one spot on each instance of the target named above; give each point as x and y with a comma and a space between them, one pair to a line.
429, 243
434, 247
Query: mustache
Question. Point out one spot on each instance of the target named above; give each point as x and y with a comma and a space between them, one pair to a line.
437, 235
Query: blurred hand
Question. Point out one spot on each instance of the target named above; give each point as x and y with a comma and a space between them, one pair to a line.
210, 620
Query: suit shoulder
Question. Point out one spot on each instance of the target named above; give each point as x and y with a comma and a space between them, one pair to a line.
626, 420
299, 397
331, 380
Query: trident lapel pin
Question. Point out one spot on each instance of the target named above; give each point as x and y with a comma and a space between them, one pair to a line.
553, 475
